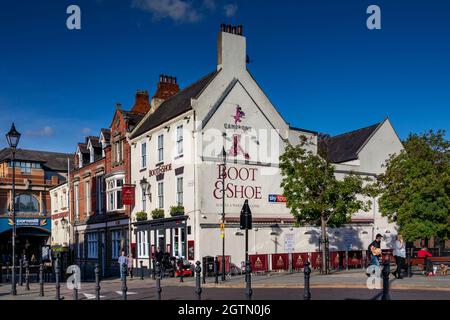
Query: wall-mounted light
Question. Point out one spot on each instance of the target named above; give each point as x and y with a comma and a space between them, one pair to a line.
167, 128
187, 119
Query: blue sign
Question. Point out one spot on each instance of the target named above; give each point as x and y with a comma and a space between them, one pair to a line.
274, 198
7, 223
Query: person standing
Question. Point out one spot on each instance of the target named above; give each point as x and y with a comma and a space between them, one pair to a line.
123, 260
400, 255
375, 250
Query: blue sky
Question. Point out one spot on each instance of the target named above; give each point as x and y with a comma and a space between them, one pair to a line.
316, 60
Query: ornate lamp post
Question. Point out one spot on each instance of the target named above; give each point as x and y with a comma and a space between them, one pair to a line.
145, 187
13, 137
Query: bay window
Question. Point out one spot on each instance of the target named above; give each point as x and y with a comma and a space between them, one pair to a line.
114, 193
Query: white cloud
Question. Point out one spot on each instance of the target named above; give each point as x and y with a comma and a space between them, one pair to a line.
230, 9
44, 132
86, 130
177, 10
210, 4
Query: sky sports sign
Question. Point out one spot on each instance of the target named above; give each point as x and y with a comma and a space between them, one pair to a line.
274, 198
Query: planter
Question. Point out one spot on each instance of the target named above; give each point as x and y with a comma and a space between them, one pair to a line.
177, 211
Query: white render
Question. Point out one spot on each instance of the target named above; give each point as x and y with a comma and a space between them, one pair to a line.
60, 206
203, 128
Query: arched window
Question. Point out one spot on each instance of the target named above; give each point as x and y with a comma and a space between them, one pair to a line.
26, 203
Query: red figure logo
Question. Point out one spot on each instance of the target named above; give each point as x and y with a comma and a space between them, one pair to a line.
237, 149
239, 115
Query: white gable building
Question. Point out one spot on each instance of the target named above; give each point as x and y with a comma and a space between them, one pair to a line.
178, 150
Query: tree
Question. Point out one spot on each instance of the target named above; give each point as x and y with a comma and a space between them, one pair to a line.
313, 193
415, 188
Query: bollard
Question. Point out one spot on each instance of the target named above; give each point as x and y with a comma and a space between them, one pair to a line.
57, 284
27, 276
248, 279
154, 269
198, 285
41, 280
307, 272
216, 270
124, 281
20, 272
142, 270
386, 271
75, 288
158, 281
97, 282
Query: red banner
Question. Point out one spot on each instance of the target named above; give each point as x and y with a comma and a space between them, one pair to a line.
280, 261
259, 262
316, 260
337, 259
299, 260
128, 195
355, 258
227, 264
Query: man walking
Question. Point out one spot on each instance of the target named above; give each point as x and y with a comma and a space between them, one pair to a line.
400, 255
375, 250
123, 260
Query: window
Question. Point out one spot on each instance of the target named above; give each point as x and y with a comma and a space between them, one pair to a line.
180, 191
144, 155
161, 148
143, 244
76, 203
87, 198
119, 151
114, 194
161, 195
144, 201
180, 140
26, 203
92, 240
25, 167
115, 244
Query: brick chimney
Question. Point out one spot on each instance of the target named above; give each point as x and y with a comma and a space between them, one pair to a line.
231, 49
167, 87
142, 103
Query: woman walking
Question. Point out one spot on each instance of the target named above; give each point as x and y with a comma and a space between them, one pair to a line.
400, 255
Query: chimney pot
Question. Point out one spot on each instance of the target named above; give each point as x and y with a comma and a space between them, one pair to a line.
222, 27
234, 29
229, 28
240, 30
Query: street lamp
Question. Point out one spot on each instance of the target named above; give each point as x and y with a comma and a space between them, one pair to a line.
13, 137
145, 186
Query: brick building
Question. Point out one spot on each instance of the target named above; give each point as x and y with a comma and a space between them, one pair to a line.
36, 173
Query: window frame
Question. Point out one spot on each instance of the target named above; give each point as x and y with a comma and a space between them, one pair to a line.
160, 148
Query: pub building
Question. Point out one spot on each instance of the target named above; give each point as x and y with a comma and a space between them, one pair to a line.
37, 172
177, 155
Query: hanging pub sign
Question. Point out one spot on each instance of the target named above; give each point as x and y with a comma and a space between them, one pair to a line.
128, 195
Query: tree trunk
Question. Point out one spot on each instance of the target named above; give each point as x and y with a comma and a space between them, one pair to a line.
323, 245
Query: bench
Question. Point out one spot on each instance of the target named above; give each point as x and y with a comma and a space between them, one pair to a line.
420, 262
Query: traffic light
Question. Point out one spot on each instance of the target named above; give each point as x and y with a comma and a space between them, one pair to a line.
246, 217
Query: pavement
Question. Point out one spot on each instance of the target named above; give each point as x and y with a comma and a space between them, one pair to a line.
349, 285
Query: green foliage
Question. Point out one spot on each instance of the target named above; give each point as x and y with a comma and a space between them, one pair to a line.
141, 216
416, 187
313, 193
158, 214
177, 211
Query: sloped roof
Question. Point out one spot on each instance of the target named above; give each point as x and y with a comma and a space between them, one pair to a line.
345, 147
106, 134
51, 160
95, 142
174, 106
83, 148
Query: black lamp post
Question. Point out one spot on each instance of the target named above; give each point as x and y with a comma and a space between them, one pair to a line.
224, 172
13, 137
145, 186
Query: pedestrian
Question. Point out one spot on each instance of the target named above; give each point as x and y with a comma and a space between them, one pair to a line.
424, 253
400, 255
33, 260
130, 265
375, 250
123, 260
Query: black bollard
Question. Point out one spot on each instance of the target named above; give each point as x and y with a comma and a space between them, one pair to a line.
124, 281
248, 279
158, 281
386, 271
20, 272
41, 280
97, 282
216, 270
154, 269
307, 272
142, 270
198, 285
57, 284
27, 276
